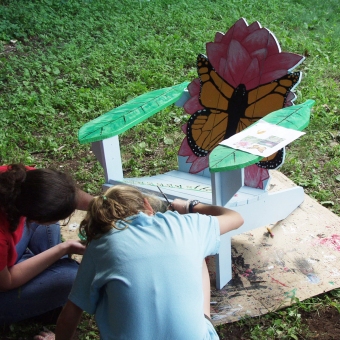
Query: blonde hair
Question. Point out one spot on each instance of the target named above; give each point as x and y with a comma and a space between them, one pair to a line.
118, 203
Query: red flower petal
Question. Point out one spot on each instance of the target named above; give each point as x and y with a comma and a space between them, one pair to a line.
261, 39
192, 158
185, 150
199, 165
282, 61
192, 105
194, 87
254, 176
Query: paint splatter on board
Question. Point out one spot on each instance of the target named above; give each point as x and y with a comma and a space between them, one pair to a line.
306, 268
291, 294
332, 242
280, 283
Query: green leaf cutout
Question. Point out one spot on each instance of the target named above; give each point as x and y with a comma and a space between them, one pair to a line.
224, 158
129, 114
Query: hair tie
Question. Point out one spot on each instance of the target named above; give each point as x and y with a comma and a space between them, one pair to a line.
104, 197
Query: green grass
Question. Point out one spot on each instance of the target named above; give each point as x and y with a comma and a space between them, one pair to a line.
287, 323
65, 62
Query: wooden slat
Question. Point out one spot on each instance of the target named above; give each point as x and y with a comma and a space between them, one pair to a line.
176, 184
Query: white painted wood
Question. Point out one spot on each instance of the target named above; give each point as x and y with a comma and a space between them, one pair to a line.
225, 185
107, 152
265, 210
183, 99
175, 184
223, 263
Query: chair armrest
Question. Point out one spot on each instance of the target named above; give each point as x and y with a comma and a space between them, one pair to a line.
224, 158
129, 114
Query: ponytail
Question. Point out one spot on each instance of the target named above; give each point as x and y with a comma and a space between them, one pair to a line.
118, 203
10, 189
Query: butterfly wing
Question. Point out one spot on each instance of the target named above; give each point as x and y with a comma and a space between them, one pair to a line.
228, 110
206, 129
268, 98
273, 161
271, 96
215, 92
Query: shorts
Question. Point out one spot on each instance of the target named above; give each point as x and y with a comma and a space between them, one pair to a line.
211, 335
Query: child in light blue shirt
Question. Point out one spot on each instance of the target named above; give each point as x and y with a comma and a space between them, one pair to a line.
143, 273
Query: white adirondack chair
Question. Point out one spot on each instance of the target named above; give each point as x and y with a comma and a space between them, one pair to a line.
223, 182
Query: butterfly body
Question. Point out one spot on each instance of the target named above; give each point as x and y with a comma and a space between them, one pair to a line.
228, 110
237, 109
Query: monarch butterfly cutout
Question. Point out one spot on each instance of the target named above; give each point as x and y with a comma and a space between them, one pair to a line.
228, 110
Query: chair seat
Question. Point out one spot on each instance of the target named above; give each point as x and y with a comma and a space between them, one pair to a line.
178, 184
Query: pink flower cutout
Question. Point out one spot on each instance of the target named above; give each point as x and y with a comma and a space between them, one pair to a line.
250, 55
254, 176
245, 54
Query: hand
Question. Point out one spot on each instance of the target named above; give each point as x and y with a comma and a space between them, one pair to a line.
179, 205
74, 247
45, 335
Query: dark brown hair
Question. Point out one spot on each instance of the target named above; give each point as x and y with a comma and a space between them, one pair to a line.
41, 195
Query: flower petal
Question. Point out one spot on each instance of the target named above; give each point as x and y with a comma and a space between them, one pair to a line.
199, 164
232, 67
192, 158
216, 52
192, 105
250, 74
194, 87
238, 31
254, 26
290, 98
254, 176
282, 61
185, 150
257, 40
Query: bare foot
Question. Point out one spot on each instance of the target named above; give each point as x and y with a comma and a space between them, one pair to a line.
45, 335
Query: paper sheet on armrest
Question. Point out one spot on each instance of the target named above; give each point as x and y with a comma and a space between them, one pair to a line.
262, 139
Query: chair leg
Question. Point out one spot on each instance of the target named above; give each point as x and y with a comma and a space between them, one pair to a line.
266, 209
223, 262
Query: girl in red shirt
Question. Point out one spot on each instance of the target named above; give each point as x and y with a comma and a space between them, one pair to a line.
36, 274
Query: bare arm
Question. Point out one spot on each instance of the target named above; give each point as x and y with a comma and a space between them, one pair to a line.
67, 324
22, 272
83, 200
228, 219
68, 321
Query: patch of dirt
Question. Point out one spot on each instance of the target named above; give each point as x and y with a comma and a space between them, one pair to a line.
232, 331
9, 48
72, 166
71, 229
323, 325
